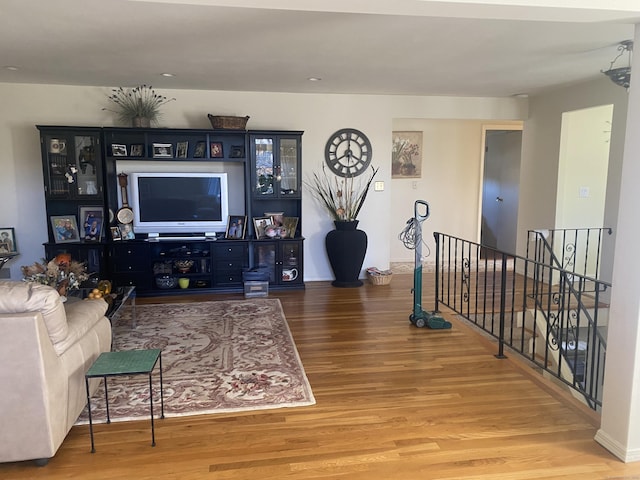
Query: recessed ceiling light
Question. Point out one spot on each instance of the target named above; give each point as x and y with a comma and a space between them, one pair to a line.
11, 67
167, 74
314, 79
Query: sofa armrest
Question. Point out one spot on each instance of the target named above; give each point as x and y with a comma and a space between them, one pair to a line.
33, 404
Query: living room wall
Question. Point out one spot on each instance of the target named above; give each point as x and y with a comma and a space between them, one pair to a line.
25, 106
541, 153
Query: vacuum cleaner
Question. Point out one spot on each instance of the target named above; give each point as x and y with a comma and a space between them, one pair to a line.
412, 239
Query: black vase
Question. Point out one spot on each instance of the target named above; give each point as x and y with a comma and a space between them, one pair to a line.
346, 247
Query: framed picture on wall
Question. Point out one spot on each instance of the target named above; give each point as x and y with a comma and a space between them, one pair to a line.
406, 155
8, 240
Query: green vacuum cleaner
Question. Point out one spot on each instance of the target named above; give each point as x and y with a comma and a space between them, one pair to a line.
413, 239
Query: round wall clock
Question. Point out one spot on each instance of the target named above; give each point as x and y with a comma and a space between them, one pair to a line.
348, 152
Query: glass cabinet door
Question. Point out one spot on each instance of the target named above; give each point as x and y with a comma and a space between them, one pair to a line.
72, 166
86, 159
264, 167
291, 262
288, 169
266, 258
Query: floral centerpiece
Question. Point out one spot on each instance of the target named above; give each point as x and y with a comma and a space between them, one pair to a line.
343, 197
139, 105
61, 273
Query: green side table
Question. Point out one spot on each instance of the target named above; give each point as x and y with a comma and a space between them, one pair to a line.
127, 362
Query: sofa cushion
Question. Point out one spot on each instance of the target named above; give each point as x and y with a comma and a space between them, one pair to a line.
82, 316
18, 297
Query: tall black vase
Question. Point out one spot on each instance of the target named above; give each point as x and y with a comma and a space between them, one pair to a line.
346, 247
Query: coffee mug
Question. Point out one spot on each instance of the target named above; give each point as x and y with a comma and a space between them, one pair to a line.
289, 274
183, 282
57, 145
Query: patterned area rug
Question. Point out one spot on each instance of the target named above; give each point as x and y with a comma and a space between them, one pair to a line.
217, 357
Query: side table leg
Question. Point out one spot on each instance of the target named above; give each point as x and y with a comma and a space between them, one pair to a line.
153, 433
134, 320
86, 383
106, 399
161, 388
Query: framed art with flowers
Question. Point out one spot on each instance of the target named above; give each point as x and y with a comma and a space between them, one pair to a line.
406, 155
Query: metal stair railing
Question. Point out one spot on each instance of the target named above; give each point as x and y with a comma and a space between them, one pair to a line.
550, 316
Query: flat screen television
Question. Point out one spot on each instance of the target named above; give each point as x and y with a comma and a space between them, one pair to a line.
194, 203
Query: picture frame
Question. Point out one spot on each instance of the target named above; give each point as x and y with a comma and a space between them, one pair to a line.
236, 227
162, 150
115, 234
118, 150
136, 150
64, 228
8, 241
260, 224
199, 150
92, 220
215, 150
236, 151
181, 149
277, 218
406, 154
290, 225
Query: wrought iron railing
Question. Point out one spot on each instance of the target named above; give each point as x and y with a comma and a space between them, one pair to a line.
577, 250
553, 317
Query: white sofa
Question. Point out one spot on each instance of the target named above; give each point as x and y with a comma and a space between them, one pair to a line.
46, 347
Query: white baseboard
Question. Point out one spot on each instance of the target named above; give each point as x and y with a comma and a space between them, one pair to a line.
616, 448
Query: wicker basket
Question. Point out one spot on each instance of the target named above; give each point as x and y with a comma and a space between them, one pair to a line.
228, 123
380, 279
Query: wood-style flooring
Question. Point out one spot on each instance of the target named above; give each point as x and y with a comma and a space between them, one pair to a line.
393, 402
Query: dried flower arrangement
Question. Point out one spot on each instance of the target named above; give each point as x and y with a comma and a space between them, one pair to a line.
61, 273
343, 197
141, 102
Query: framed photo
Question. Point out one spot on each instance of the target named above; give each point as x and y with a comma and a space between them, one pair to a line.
8, 240
236, 227
277, 218
92, 223
260, 224
290, 225
199, 151
118, 150
216, 150
115, 234
162, 150
65, 228
237, 151
181, 149
406, 155
137, 150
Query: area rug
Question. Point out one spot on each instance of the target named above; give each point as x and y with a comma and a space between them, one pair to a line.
217, 357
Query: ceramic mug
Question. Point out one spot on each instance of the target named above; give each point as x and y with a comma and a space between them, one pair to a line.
183, 282
289, 274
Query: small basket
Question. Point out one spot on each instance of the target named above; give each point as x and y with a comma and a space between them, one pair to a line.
228, 123
379, 277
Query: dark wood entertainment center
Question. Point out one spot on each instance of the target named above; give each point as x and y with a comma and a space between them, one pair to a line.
81, 167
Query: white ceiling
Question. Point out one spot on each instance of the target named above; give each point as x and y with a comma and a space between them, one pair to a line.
408, 47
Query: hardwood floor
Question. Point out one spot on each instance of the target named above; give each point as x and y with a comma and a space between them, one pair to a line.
393, 402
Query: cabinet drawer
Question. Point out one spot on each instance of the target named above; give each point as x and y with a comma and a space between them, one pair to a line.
129, 258
228, 278
231, 264
230, 251
141, 281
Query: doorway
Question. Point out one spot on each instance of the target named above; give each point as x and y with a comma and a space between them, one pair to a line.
500, 186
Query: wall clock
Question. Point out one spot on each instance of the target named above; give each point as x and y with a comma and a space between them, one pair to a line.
348, 152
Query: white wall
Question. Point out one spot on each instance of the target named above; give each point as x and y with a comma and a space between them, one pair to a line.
24, 106
541, 151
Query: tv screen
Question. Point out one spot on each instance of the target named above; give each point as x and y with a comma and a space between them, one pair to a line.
179, 202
